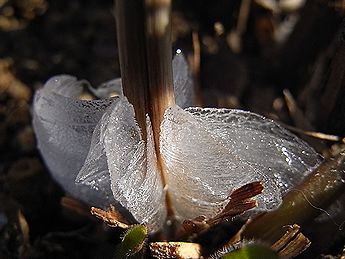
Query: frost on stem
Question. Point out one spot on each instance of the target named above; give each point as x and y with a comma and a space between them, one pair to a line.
207, 152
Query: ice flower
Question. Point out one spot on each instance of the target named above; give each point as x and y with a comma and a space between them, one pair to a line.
95, 150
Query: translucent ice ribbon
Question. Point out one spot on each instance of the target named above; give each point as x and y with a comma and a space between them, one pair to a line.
207, 152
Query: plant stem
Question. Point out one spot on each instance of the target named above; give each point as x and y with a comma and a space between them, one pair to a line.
130, 17
144, 41
303, 203
159, 62
159, 57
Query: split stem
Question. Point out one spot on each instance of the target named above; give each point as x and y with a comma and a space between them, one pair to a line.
132, 54
144, 42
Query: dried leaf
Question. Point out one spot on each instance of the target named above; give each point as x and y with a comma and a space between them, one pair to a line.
240, 201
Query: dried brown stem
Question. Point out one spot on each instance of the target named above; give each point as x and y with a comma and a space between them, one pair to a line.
303, 203
159, 62
130, 17
159, 57
144, 39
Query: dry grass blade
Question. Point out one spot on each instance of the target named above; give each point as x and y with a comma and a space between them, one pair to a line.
179, 250
314, 134
295, 112
305, 134
112, 217
24, 227
302, 122
144, 41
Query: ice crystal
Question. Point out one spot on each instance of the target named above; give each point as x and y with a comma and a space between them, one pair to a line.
94, 149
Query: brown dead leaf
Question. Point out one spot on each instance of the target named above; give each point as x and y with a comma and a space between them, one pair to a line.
240, 201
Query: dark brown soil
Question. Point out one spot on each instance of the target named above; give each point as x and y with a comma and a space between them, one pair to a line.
42, 38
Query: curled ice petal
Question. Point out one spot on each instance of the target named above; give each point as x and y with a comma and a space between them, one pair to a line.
95, 173
210, 152
183, 85
117, 146
108, 89
64, 85
64, 125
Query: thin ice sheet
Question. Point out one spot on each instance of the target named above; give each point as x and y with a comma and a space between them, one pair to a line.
136, 183
183, 84
211, 152
64, 126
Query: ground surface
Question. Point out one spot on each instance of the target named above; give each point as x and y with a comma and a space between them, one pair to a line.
42, 38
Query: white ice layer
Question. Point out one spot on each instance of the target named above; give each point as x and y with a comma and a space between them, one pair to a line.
211, 152
208, 152
135, 179
64, 126
183, 85
67, 127
108, 89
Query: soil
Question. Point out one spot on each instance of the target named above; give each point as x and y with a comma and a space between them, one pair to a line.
240, 67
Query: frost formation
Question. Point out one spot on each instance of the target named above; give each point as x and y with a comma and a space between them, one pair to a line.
95, 151
210, 152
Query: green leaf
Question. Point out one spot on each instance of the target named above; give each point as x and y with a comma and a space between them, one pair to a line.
133, 241
251, 252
